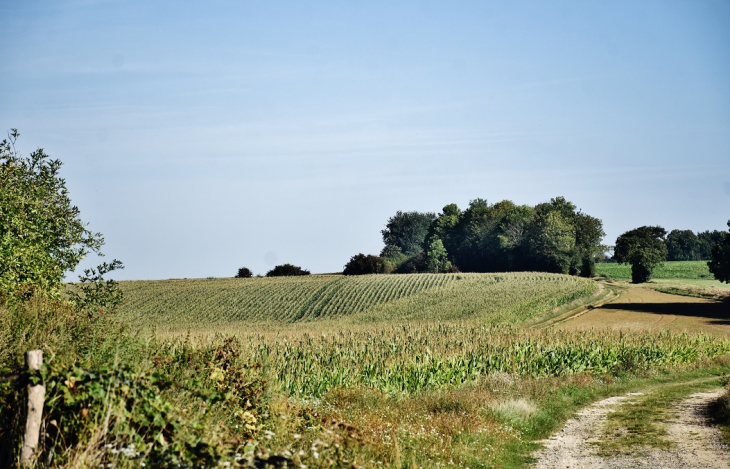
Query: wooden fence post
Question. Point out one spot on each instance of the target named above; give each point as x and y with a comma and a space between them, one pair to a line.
36, 397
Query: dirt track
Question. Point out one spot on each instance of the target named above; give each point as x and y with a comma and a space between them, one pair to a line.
695, 443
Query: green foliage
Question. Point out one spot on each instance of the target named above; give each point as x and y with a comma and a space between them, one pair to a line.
244, 272
437, 260
361, 264
683, 245
504, 237
551, 242
406, 231
96, 292
61, 330
689, 270
588, 267
116, 414
393, 259
644, 248
413, 358
720, 263
41, 234
707, 240
198, 405
286, 270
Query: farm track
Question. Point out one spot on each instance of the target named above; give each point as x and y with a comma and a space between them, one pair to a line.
694, 443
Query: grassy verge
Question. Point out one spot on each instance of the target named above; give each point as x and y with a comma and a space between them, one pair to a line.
497, 422
719, 411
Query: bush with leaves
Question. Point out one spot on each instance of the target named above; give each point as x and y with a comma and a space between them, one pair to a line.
286, 270
244, 272
41, 234
116, 414
361, 264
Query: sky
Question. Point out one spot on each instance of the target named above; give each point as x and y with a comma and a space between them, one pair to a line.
200, 137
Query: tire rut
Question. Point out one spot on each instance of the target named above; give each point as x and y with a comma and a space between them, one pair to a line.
696, 443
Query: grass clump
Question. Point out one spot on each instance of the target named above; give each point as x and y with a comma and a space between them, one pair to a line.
719, 411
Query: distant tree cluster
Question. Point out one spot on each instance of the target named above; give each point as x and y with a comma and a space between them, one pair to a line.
552, 237
684, 245
286, 270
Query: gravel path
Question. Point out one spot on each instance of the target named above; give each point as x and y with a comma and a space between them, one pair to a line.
697, 445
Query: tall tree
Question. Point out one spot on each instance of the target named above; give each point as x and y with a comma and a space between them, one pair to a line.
588, 236
720, 263
644, 248
551, 241
682, 245
707, 240
407, 232
437, 259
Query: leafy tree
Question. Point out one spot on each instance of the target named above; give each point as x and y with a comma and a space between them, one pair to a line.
644, 248
361, 264
244, 272
286, 270
588, 236
707, 241
682, 245
720, 263
437, 259
406, 231
41, 234
551, 241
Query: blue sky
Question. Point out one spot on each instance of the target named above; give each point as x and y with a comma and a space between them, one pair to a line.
202, 137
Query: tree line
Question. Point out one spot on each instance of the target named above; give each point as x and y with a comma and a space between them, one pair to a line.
549, 237
553, 237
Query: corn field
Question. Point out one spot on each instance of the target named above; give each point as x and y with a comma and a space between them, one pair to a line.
410, 358
212, 304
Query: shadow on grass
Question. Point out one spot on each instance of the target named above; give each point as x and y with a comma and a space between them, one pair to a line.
717, 313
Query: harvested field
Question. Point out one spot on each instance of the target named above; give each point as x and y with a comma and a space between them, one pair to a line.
643, 309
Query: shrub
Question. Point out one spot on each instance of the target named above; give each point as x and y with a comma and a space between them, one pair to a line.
286, 270
361, 264
244, 272
588, 267
41, 233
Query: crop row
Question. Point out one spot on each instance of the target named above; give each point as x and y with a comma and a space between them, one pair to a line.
178, 305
